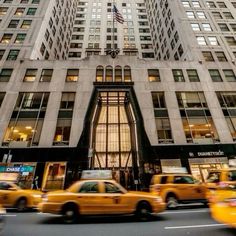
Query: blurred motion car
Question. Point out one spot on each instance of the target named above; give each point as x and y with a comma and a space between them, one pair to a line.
217, 178
100, 197
222, 202
2, 213
12, 196
178, 188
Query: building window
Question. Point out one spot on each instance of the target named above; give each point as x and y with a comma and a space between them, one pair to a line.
215, 75
208, 56
24, 128
197, 122
46, 75
228, 15
227, 102
109, 74
213, 40
20, 38
221, 56
1, 54
161, 118
30, 75
5, 75
6, 38
190, 14
223, 27
193, 75
153, 75
127, 74
13, 54
201, 40
178, 75
99, 74
72, 75
31, 11
201, 15
42, 49
26, 24
118, 74
231, 41
2, 95
13, 24
3, 11
206, 27
19, 11
217, 15
195, 27
64, 120
229, 75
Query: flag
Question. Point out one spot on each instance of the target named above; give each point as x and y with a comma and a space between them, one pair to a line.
116, 14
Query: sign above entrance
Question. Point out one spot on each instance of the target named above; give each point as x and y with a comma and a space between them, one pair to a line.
96, 174
16, 168
174, 170
207, 154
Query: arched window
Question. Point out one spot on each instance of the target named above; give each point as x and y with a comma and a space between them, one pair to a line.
118, 74
127, 74
99, 74
109, 74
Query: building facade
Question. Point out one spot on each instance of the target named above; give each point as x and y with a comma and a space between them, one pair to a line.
66, 105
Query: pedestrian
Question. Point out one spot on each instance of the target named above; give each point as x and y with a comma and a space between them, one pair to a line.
35, 183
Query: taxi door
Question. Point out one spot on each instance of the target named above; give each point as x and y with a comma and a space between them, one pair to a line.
6, 194
89, 198
188, 189
115, 200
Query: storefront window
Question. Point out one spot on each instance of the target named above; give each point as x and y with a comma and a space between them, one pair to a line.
54, 176
20, 173
26, 122
227, 102
196, 117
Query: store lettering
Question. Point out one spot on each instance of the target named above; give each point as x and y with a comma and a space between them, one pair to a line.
13, 169
207, 154
219, 153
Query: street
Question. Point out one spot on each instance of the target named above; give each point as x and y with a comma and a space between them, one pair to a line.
185, 221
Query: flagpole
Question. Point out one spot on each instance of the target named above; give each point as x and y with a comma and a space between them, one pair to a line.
113, 27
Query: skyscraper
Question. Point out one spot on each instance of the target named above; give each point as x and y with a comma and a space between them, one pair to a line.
166, 101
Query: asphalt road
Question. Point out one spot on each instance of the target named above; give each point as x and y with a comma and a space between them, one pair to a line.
186, 221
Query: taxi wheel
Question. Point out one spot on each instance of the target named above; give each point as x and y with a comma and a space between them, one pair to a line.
70, 214
21, 205
143, 212
171, 202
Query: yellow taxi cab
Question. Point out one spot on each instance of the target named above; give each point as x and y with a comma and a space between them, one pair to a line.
100, 197
217, 177
2, 213
175, 188
12, 196
222, 202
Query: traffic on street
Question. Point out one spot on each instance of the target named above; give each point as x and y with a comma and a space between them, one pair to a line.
191, 220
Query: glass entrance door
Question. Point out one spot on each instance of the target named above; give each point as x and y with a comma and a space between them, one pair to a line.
113, 133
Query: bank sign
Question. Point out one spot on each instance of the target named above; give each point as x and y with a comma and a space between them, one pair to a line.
16, 169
